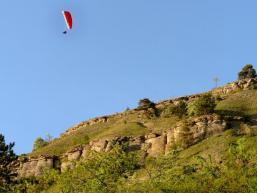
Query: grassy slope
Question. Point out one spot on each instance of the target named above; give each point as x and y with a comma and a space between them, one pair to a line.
244, 102
215, 147
129, 125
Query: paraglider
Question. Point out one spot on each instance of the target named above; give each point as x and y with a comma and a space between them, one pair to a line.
68, 19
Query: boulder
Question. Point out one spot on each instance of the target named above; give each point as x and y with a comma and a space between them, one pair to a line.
67, 166
189, 133
98, 145
156, 146
74, 154
85, 151
35, 166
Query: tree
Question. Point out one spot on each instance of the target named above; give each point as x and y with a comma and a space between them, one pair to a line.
7, 157
247, 72
180, 109
39, 143
48, 138
145, 104
216, 80
99, 172
205, 104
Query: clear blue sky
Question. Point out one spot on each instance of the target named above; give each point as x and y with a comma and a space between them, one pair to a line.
117, 53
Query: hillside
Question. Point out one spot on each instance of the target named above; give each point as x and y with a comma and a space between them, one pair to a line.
235, 101
157, 147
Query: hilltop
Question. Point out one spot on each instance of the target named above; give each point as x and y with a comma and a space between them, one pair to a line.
185, 144
236, 98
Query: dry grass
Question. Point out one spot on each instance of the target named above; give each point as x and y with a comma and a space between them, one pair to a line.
244, 102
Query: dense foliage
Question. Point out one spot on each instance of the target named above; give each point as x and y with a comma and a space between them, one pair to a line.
39, 143
204, 105
119, 171
145, 104
99, 172
7, 156
179, 109
247, 72
226, 163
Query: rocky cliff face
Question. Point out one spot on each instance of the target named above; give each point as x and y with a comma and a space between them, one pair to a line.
184, 134
153, 144
244, 84
35, 166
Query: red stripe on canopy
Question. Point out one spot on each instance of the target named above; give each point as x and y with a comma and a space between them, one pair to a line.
68, 19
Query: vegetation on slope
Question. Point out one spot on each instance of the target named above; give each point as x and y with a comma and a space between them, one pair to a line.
128, 125
7, 156
225, 163
240, 103
145, 119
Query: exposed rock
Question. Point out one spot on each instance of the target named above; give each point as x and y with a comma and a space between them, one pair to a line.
156, 145
189, 133
151, 135
98, 145
244, 84
36, 166
85, 151
75, 154
183, 134
110, 145
152, 144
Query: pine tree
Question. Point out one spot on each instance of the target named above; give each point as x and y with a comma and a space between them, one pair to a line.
7, 156
39, 143
247, 72
145, 104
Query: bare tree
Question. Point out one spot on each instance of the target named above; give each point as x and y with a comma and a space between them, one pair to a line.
216, 80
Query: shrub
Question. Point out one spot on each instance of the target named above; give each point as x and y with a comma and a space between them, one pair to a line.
39, 143
205, 104
7, 156
145, 104
168, 111
180, 110
247, 72
97, 173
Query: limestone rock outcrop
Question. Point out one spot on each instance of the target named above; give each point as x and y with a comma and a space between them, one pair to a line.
184, 134
195, 130
244, 84
35, 166
152, 144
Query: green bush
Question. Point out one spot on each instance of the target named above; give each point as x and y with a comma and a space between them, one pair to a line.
204, 105
247, 72
118, 171
97, 173
7, 156
145, 104
179, 109
39, 143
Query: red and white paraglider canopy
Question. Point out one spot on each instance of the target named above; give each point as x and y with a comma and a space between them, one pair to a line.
68, 19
